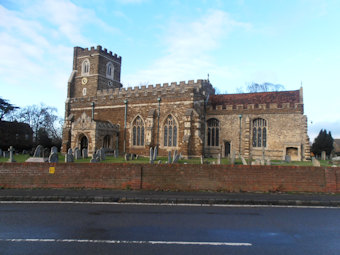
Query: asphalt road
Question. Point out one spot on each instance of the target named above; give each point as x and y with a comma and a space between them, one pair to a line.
158, 229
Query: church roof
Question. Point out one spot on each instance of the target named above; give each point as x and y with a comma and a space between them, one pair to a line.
278, 97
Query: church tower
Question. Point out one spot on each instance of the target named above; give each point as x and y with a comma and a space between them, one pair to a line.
93, 69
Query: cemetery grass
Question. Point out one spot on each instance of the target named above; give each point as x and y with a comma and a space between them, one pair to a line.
18, 158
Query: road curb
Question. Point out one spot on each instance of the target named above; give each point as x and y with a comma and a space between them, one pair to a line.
173, 200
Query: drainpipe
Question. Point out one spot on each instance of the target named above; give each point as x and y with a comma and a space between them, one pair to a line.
240, 117
125, 118
159, 109
92, 104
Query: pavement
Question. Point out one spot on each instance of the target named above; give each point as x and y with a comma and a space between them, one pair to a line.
170, 197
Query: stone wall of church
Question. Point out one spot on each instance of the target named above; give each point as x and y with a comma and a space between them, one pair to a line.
286, 130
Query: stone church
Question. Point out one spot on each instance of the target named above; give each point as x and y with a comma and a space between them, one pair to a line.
186, 116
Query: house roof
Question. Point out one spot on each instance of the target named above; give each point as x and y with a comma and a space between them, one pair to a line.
278, 97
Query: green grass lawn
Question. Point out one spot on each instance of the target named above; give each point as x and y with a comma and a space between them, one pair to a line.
144, 160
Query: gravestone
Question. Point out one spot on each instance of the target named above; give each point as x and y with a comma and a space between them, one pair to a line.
38, 153
54, 149
288, 159
133, 156
232, 160
159, 162
84, 153
155, 153
151, 156
202, 159
46, 153
126, 157
5, 154
268, 162
263, 162
76, 153
116, 153
0, 153
323, 155
53, 158
11, 158
101, 154
315, 162
219, 159
94, 158
244, 162
169, 157
176, 158
137, 156
69, 156
257, 162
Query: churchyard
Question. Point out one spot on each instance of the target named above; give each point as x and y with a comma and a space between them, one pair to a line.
20, 158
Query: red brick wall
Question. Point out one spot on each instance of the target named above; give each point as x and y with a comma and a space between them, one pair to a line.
171, 177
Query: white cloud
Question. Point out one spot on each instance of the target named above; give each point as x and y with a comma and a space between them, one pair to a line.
188, 47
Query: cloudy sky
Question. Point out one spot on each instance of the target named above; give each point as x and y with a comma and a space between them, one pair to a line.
236, 42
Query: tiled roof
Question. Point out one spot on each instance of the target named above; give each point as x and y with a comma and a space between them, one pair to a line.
279, 97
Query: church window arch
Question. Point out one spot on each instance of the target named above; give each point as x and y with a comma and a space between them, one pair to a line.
109, 70
85, 67
138, 132
213, 136
259, 132
170, 132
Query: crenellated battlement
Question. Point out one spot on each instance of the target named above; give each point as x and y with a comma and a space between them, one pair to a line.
182, 87
86, 51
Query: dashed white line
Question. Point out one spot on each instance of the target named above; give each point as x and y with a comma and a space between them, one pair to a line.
126, 242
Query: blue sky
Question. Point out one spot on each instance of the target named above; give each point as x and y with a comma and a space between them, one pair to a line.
237, 42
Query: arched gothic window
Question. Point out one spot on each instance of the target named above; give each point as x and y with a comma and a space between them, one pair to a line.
259, 133
213, 132
138, 132
109, 70
85, 67
170, 132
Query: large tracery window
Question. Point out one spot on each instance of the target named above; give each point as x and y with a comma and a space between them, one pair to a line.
107, 142
138, 132
259, 133
85, 68
170, 132
213, 132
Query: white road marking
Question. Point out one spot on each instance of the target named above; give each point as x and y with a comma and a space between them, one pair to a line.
170, 204
126, 242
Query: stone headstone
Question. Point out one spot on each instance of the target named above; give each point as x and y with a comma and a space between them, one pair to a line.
53, 158
94, 158
116, 154
263, 161
159, 161
38, 153
76, 153
244, 162
0, 153
11, 157
202, 159
155, 153
46, 152
288, 159
69, 156
232, 160
84, 153
268, 162
169, 157
176, 158
151, 156
257, 162
219, 159
126, 157
5, 154
54, 149
323, 155
315, 162
101, 154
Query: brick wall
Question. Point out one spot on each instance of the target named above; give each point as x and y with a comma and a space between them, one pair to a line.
171, 177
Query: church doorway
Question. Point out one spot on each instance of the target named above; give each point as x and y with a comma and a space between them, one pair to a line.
226, 149
83, 143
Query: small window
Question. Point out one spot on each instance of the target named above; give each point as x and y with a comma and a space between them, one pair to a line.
85, 68
109, 70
